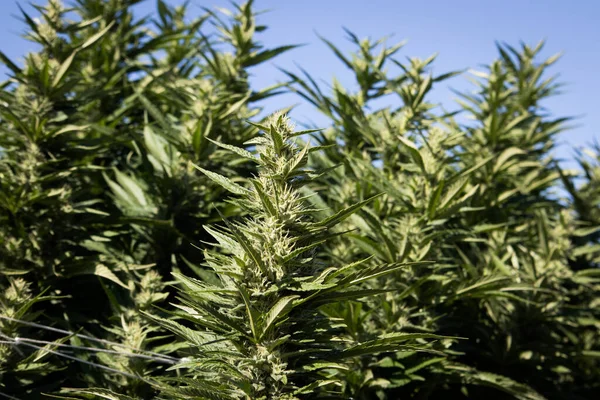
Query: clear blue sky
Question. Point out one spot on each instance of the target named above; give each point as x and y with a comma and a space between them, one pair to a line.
461, 31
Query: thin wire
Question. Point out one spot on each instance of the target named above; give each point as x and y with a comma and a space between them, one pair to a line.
93, 364
49, 328
9, 396
2, 335
133, 355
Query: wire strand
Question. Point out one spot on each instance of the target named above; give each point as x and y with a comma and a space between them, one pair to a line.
99, 350
65, 332
93, 364
9, 396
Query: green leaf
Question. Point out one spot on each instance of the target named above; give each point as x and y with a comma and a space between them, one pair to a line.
236, 106
423, 89
193, 336
248, 248
237, 150
584, 250
266, 55
103, 271
375, 272
154, 112
300, 250
482, 284
338, 53
505, 156
278, 311
200, 133
346, 212
424, 364
435, 199
157, 146
253, 314
299, 159
414, 152
94, 38
277, 139
518, 390
347, 269
132, 188
64, 67
101, 393
223, 181
12, 66
223, 318
348, 295
266, 201
390, 343
308, 131
126, 198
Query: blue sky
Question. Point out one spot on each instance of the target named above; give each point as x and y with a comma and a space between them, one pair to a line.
461, 31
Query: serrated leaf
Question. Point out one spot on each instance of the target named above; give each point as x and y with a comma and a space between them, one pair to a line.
253, 314
266, 201
223, 181
505, 156
103, 271
62, 70
132, 188
389, 343
345, 213
236, 106
94, 38
277, 139
101, 393
12, 66
266, 55
237, 150
435, 199
414, 152
277, 311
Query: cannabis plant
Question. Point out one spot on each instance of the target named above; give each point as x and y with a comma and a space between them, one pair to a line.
451, 190
99, 201
414, 252
258, 326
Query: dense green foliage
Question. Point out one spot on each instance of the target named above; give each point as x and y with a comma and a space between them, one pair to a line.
160, 239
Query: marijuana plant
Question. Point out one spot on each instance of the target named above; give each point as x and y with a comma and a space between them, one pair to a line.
450, 192
99, 200
412, 253
259, 330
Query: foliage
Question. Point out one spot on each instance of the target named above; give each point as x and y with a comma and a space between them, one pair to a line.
413, 253
99, 132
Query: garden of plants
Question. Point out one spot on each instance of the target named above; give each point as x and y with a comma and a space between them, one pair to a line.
163, 237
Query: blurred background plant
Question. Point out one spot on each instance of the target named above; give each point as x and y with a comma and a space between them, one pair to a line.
481, 200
